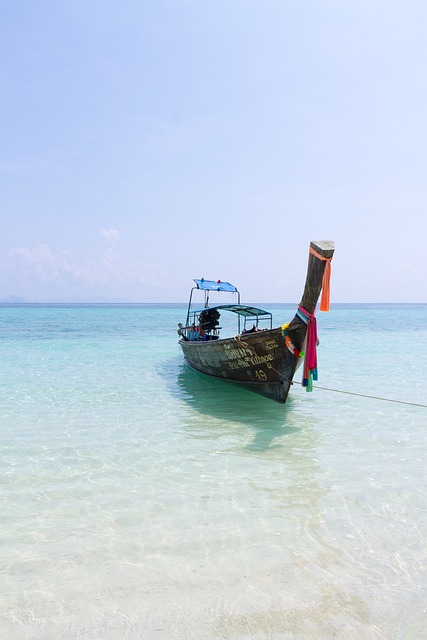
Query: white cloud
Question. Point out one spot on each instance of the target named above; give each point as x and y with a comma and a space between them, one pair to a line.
111, 234
41, 264
41, 261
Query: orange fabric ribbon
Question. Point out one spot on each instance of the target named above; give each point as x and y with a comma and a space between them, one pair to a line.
326, 282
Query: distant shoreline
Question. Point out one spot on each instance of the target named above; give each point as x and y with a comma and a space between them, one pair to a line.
7, 303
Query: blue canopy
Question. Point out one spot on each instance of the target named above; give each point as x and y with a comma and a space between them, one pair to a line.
240, 309
215, 285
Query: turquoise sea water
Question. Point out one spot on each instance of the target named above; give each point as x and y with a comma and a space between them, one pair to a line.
140, 500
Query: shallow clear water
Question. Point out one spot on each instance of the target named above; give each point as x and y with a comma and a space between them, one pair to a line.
140, 500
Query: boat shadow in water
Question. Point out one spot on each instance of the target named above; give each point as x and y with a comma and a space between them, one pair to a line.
231, 405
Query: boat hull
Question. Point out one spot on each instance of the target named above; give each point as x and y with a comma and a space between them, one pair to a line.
262, 361
259, 362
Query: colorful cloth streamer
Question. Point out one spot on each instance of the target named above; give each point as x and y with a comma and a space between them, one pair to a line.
310, 355
292, 348
326, 282
310, 359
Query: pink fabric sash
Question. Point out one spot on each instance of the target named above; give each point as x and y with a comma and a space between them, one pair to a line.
310, 358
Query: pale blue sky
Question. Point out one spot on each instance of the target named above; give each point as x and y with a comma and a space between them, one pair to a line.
146, 143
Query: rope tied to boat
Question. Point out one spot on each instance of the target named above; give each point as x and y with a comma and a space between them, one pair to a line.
326, 282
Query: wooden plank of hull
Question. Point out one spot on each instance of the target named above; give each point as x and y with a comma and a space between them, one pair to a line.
259, 361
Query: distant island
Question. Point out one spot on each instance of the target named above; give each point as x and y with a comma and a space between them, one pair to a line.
71, 300
13, 300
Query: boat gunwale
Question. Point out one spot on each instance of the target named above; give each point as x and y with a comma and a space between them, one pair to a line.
239, 337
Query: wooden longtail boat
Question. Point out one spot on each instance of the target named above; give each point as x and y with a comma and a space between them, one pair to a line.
262, 359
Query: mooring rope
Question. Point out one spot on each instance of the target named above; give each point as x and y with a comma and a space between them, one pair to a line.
365, 395
349, 393
360, 395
